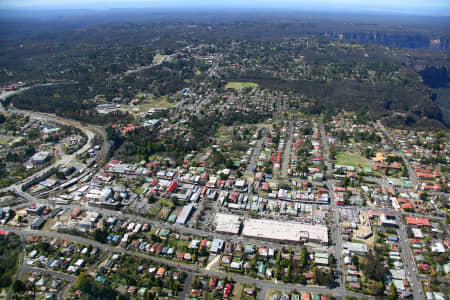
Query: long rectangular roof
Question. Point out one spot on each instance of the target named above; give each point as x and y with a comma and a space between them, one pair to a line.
287, 231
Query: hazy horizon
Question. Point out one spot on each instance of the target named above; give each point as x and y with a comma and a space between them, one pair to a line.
412, 7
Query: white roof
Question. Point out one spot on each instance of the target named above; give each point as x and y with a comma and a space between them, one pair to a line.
438, 247
240, 183
398, 274
270, 229
227, 223
417, 233
355, 247
236, 265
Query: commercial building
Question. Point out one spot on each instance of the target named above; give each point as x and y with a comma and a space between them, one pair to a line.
185, 214
38, 223
355, 248
417, 221
40, 158
285, 231
227, 223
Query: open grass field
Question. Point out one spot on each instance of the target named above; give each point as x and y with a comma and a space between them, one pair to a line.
4, 139
237, 291
352, 159
148, 103
223, 131
240, 85
154, 210
151, 102
158, 58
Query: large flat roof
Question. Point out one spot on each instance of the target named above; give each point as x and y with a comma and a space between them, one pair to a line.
185, 213
287, 231
228, 223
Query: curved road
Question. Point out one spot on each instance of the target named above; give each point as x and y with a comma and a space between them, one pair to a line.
65, 159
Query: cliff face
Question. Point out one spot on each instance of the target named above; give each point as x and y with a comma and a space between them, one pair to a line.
394, 39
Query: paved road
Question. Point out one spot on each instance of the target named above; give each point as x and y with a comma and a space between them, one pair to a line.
411, 173
88, 130
408, 261
64, 290
56, 274
186, 287
408, 258
184, 267
140, 69
70, 278
256, 151
287, 153
8, 94
65, 158
335, 230
23, 268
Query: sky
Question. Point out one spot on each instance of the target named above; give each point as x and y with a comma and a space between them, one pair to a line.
415, 7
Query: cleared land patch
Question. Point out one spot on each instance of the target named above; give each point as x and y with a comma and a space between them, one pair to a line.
240, 85
352, 159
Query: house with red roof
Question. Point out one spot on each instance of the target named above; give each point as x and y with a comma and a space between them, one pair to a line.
212, 282
227, 290
408, 206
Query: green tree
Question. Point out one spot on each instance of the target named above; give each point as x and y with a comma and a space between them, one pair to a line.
393, 293
303, 257
18, 286
100, 235
355, 260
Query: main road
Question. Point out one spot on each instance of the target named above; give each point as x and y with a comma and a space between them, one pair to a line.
335, 229
65, 158
263, 284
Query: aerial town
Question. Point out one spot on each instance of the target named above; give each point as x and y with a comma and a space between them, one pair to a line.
224, 185
289, 207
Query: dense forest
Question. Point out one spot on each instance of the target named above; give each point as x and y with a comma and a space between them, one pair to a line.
10, 248
290, 54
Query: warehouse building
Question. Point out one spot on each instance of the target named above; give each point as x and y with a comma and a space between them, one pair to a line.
40, 158
38, 223
285, 231
227, 223
355, 248
185, 214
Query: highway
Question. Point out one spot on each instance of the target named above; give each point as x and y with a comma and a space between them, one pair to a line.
64, 159
143, 68
8, 94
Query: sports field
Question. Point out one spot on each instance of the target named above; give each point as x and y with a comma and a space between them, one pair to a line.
240, 85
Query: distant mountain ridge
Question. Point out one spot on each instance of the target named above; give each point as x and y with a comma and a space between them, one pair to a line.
399, 40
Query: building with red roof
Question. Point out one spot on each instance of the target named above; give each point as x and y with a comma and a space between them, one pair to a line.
417, 221
408, 205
